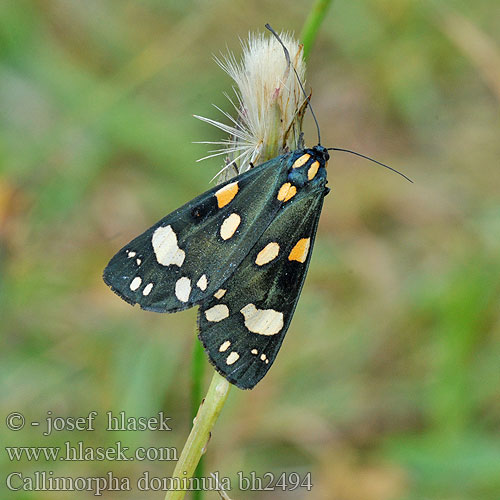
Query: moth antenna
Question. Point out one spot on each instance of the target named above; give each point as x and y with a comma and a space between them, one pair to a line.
371, 159
308, 99
288, 60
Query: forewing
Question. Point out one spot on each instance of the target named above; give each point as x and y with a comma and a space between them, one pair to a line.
243, 325
187, 255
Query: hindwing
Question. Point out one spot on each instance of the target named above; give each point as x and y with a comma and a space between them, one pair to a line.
242, 325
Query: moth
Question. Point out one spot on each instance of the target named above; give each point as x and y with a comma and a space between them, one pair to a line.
240, 251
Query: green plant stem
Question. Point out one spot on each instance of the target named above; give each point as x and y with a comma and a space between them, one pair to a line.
190, 460
206, 417
312, 24
198, 364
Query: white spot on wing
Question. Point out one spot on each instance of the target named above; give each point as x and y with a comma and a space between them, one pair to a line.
220, 293
202, 283
165, 246
268, 253
217, 313
183, 289
232, 358
224, 346
229, 226
138, 261
262, 321
131, 254
135, 284
254, 351
147, 289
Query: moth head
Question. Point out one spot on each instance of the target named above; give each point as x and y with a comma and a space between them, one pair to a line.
321, 153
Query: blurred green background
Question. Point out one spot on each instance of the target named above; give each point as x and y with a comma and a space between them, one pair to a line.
388, 384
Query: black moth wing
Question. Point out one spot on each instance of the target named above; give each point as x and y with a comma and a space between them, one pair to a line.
262, 297
195, 258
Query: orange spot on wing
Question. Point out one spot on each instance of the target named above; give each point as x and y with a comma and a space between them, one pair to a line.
226, 194
286, 192
313, 170
301, 160
300, 250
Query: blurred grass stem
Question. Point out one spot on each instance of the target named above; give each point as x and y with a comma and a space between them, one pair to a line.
218, 391
196, 443
198, 365
312, 24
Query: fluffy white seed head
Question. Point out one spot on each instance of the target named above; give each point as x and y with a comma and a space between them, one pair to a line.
269, 103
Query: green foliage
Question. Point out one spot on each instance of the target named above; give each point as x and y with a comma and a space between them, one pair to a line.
387, 384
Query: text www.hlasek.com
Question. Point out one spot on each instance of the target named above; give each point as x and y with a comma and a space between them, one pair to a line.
78, 452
